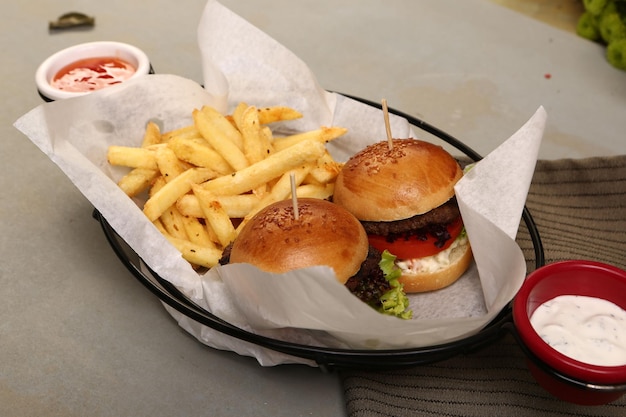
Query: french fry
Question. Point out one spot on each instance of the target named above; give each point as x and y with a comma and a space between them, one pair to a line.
159, 225
215, 215
323, 192
235, 117
268, 138
326, 169
186, 132
236, 206
199, 153
127, 156
169, 193
250, 129
196, 231
323, 135
264, 171
221, 135
152, 135
277, 114
157, 184
197, 255
172, 220
137, 181
205, 256
254, 146
168, 163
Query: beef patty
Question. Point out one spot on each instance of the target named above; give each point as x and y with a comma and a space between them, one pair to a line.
442, 215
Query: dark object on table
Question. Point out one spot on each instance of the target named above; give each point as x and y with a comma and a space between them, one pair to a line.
72, 20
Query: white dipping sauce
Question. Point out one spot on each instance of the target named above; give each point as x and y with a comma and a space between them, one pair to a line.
587, 329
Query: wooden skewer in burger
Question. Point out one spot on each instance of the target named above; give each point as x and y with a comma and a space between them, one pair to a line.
402, 191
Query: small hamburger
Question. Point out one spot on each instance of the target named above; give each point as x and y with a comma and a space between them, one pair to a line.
403, 195
323, 233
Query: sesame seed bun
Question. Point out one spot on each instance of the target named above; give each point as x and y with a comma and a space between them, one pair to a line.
324, 234
379, 184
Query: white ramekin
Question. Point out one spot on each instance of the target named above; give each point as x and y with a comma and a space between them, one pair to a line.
55, 62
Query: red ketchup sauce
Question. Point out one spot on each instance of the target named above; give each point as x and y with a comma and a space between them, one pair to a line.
92, 74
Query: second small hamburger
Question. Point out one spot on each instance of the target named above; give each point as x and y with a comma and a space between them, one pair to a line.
404, 196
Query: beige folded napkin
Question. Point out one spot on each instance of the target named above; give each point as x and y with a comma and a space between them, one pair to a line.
579, 206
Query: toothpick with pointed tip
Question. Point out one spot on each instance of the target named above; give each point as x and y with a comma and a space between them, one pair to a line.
387, 125
294, 197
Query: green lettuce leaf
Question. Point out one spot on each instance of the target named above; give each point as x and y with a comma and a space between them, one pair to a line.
394, 302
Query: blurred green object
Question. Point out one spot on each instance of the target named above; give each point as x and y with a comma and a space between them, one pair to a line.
612, 27
595, 7
616, 53
587, 27
604, 21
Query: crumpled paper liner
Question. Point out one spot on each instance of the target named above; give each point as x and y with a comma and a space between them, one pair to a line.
308, 306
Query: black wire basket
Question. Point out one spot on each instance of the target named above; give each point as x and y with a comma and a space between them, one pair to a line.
325, 357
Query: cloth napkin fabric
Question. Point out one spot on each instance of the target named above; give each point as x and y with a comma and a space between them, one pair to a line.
579, 207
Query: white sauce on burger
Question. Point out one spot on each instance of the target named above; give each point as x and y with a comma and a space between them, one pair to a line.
432, 263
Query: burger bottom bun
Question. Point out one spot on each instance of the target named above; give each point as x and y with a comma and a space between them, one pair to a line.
460, 260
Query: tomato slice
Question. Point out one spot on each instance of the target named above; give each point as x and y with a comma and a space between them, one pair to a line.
414, 247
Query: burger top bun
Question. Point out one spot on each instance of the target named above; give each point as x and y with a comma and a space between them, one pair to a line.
324, 234
379, 184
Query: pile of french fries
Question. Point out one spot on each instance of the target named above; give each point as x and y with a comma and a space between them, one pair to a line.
203, 182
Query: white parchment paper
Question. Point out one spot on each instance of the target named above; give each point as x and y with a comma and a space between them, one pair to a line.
241, 63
